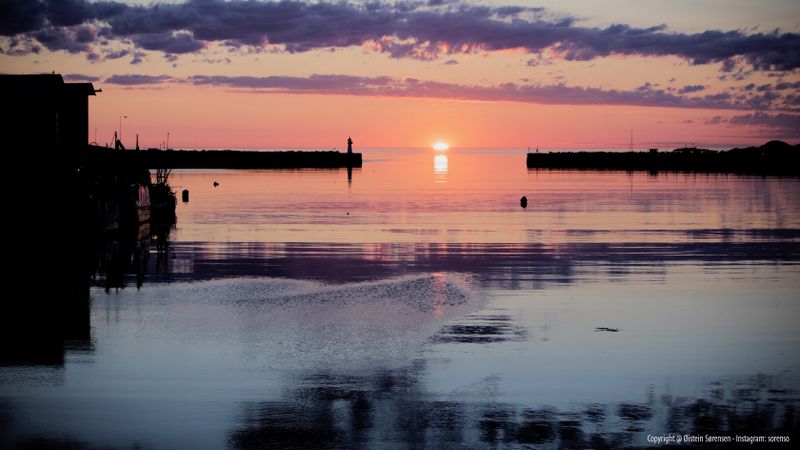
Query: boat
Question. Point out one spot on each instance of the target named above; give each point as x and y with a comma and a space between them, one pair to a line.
162, 204
142, 203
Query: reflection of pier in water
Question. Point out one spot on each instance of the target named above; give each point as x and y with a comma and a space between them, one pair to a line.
510, 266
125, 255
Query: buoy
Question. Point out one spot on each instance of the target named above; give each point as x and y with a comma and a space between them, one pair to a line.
216, 184
185, 196
523, 202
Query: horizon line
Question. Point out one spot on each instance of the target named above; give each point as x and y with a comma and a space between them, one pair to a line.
452, 148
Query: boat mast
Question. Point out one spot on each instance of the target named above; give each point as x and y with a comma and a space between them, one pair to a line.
631, 145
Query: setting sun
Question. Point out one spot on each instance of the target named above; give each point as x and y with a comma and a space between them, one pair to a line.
255, 212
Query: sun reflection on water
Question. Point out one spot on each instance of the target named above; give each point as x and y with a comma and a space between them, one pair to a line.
440, 167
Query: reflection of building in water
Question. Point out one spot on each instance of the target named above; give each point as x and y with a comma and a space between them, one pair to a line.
161, 237
49, 306
440, 167
126, 252
38, 328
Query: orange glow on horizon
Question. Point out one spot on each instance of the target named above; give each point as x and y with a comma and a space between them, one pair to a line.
206, 117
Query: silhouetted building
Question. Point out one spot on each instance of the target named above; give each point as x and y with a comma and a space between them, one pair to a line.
43, 112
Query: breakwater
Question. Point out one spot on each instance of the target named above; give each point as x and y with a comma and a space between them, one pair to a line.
772, 158
222, 159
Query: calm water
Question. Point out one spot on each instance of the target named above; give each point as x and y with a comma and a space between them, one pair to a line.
418, 305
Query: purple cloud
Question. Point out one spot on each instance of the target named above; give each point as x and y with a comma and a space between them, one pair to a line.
780, 125
116, 54
784, 85
137, 80
787, 122
20, 17
646, 95
401, 29
317, 84
691, 88
77, 77
85, 35
138, 58
63, 39
178, 42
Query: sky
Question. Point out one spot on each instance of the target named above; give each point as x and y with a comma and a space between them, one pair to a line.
503, 73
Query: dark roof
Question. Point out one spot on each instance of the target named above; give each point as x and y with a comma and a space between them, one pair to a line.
79, 88
43, 81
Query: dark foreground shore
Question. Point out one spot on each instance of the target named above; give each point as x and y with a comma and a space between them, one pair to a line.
772, 158
222, 159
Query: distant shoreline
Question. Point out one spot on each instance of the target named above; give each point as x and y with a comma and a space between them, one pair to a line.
772, 158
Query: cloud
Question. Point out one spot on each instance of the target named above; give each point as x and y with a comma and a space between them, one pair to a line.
404, 29
137, 80
138, 57
781, 121
19, 46
77, 77
317, 84
784, 85
385, 86
773, 125
691, 88
18, 16
116, 54
85, 35
72, 41
178, 42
